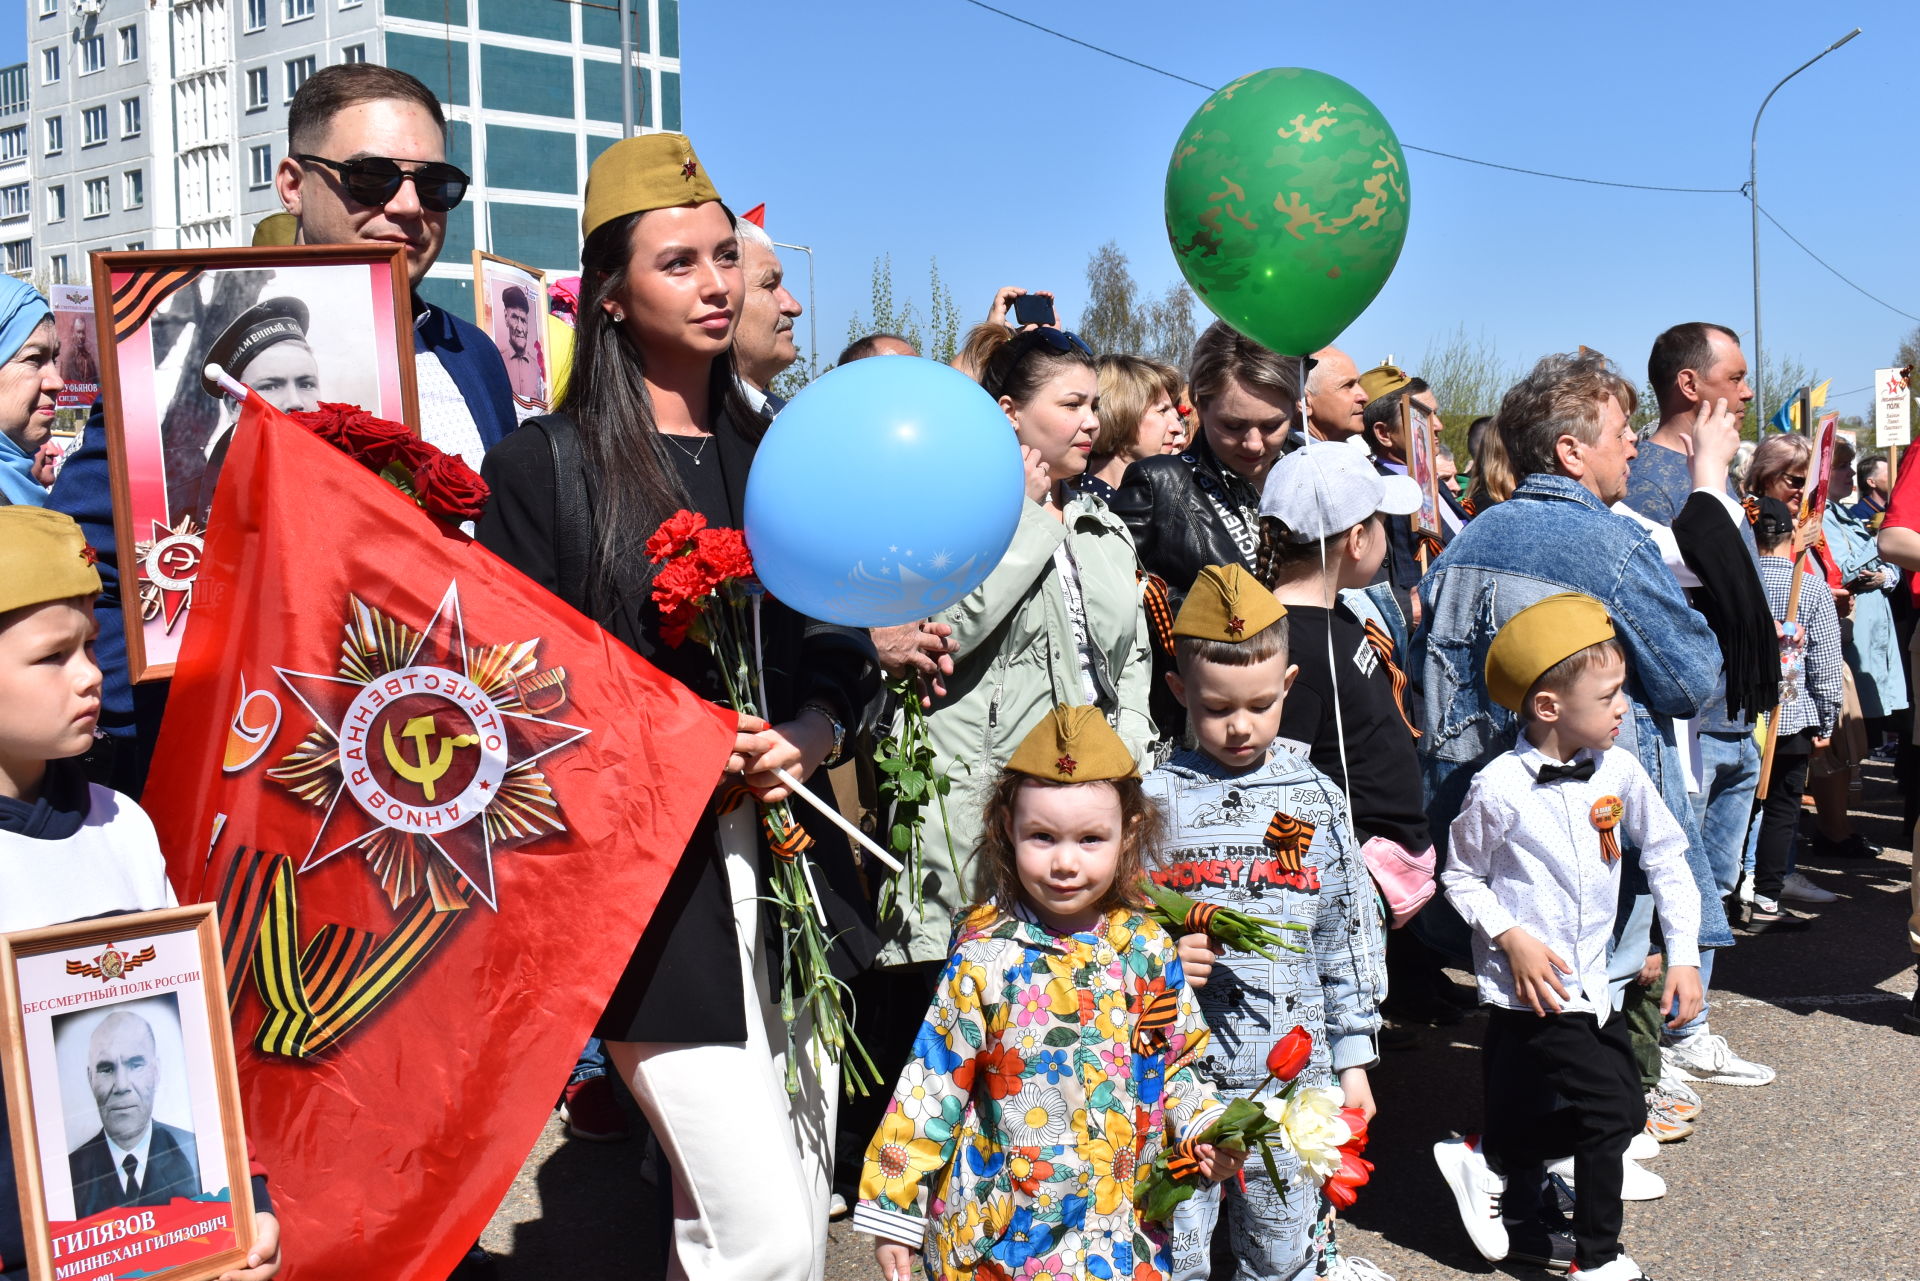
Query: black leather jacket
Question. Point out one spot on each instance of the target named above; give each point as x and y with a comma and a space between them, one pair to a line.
1185, 512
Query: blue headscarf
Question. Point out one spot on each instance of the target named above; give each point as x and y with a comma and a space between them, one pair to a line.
22, 310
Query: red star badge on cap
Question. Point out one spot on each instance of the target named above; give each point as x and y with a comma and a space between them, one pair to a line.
689, 169
1066, 765
1236, 625
89, 554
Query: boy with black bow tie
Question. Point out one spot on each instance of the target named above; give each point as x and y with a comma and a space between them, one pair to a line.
1534, 869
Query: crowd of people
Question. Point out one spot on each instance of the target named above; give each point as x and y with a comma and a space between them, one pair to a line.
1217, 654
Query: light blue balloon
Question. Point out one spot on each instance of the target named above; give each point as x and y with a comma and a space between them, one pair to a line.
886, 490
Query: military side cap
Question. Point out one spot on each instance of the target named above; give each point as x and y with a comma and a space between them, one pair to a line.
647, 171
1226, 603
258, 328
1073, 745
276, 229
1383, 379
43, 557
1544, 633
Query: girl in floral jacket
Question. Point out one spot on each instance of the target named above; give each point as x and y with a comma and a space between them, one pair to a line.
1056, 1058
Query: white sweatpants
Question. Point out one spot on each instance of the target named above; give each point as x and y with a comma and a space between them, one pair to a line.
752, 1165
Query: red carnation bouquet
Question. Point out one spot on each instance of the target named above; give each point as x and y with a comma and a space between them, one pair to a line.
706, 590
441, 483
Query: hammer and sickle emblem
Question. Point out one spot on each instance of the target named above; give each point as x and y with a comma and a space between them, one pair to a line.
427, 766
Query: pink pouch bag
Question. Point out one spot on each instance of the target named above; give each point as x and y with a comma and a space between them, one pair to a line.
1405, 880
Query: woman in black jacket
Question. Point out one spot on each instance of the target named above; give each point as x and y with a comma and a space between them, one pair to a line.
652, 421
1201, 507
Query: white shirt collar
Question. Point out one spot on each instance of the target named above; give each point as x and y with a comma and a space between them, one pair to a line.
1533, 758
755, 397
138, 1151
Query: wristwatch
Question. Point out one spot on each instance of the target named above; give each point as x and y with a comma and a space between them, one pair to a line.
839, 731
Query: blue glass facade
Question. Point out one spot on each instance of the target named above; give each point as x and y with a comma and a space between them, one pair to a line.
534, 95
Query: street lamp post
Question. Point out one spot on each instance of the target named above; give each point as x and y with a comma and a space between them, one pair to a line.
1753, 197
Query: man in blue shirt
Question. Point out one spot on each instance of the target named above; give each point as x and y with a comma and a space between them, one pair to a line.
1692, 366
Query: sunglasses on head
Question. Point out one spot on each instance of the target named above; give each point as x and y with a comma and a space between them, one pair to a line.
1060, 340
374, 180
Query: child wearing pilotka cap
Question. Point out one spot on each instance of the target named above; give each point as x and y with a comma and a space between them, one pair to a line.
1252, 825
69, 849
1535, 870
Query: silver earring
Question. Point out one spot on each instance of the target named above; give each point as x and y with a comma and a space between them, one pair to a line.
619, 317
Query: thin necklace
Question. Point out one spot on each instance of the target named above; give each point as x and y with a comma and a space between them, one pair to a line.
693, 453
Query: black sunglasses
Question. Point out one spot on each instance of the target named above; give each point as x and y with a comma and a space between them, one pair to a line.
1060, 340
374, 180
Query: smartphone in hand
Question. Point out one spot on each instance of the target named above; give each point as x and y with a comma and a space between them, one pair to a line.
1032, 309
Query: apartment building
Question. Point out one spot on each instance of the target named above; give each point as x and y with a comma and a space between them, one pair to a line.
159, 123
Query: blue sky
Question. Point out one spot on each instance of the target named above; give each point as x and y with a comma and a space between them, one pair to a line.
934, 128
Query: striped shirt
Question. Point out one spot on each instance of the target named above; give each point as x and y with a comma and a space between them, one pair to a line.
1810, 686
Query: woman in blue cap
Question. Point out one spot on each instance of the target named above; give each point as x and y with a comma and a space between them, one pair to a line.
29, 381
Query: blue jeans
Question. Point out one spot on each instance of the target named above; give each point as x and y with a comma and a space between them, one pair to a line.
1723, 809
591, 1063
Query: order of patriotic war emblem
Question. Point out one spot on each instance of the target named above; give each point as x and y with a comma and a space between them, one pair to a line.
426, 752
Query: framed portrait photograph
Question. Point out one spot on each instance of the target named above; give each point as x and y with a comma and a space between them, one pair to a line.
79, 348
510, 306
128, 1146
1423, 465
298, 324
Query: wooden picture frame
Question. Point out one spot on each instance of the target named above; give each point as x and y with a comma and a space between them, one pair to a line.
1813, 498
492, 277
106, 1025
1423, 465
159, 315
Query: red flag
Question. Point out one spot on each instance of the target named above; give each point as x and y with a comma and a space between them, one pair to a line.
437, 807
757, 215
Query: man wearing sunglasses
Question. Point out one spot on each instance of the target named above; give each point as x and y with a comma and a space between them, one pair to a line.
366, 164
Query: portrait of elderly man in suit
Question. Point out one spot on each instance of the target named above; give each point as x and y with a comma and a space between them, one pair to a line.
132, 1159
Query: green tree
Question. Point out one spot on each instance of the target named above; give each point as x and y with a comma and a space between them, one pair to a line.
1118, 319
1469, 376
938, 340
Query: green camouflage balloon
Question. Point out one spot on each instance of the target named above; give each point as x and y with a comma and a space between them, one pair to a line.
1287, 206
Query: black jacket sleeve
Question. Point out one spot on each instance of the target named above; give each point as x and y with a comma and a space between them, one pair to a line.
518, 524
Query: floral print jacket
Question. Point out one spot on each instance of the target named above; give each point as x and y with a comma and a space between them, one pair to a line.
1050, 1067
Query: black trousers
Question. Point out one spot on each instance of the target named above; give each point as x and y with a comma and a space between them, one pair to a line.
1780, 813
1590, 1068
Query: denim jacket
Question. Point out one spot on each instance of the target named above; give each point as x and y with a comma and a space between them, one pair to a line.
1553, 535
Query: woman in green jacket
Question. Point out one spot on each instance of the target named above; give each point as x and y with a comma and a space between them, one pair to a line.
1059, 620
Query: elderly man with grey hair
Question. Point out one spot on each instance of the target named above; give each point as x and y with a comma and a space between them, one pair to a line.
132, 1159
1335, 397
763, 345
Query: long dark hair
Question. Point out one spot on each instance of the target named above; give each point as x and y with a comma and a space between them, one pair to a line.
636, 485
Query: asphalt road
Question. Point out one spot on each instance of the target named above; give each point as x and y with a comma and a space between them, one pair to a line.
1815, 1177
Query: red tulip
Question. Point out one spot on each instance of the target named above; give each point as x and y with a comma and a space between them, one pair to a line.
1343, 1187
1357, 1124
1289, 1054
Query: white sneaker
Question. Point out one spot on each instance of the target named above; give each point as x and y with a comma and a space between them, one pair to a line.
1347, 1268
1744, 891
1675, 1086
1621, 1269
1801, 890
1636, 1183
1643, 1148
1476, 1193
1704, 1056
